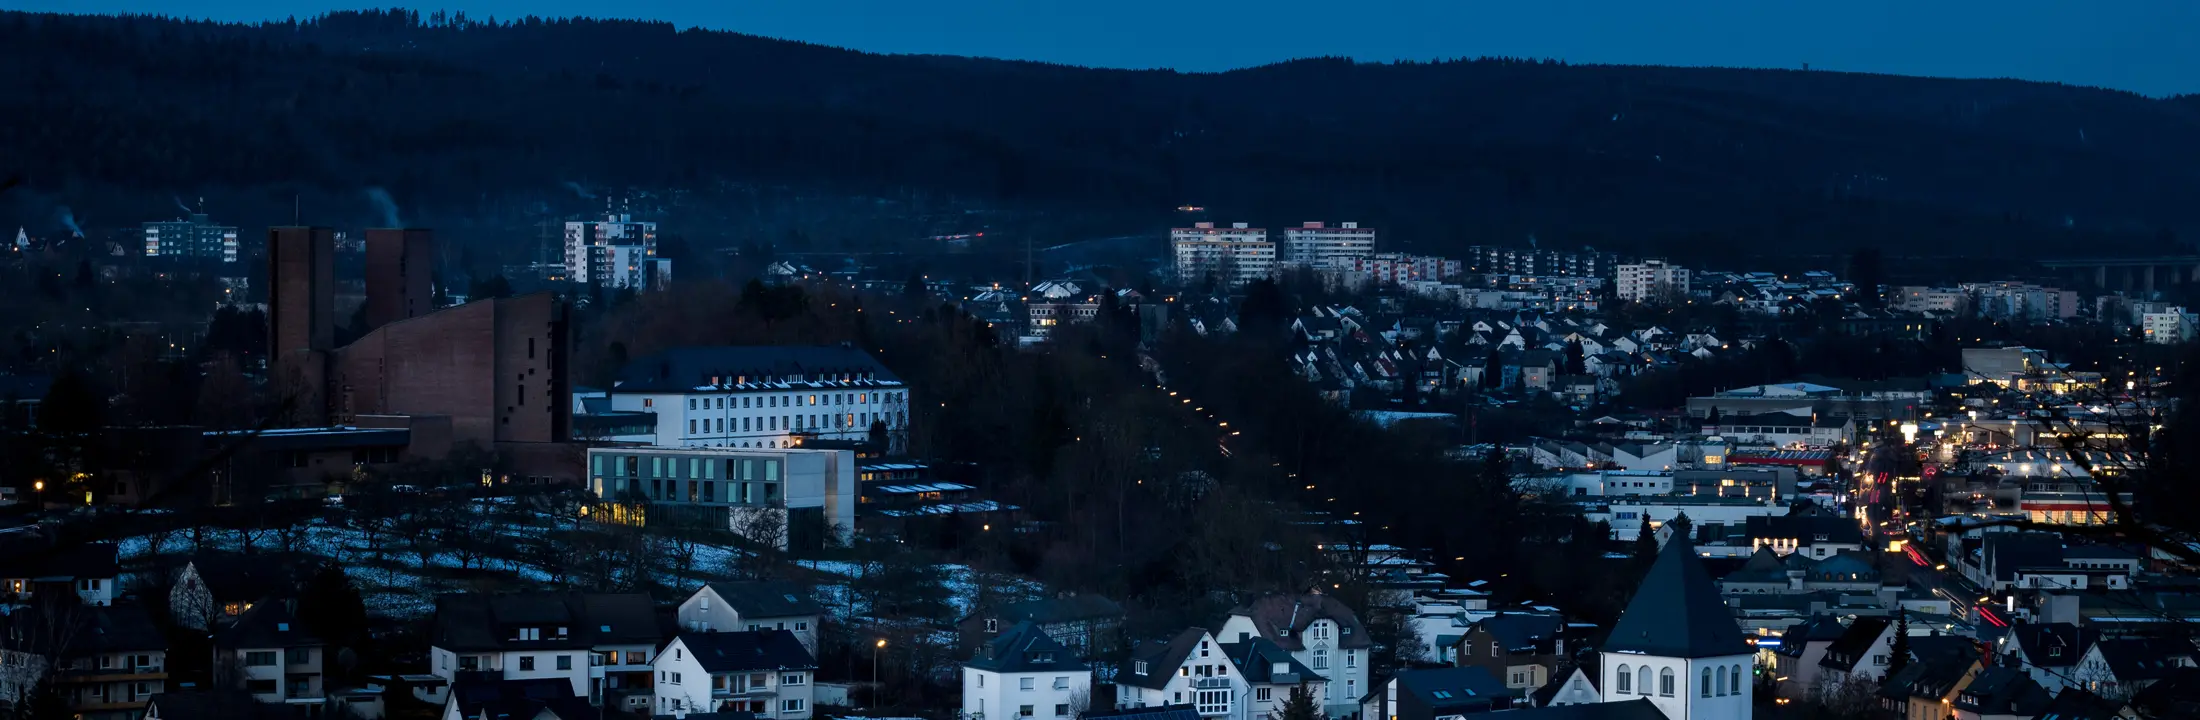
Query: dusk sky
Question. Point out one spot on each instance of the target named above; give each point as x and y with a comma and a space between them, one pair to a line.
2147, 46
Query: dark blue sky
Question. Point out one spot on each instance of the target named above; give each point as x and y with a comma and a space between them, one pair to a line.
2147, 46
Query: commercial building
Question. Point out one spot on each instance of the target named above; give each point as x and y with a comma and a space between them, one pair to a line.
193, 238
400, 274
617, 252
1317, 245
1233, 256
762, 396
796, 494
1651, 281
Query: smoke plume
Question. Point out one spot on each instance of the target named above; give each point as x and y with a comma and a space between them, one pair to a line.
578, 190
182, 205
68, 219
386, 206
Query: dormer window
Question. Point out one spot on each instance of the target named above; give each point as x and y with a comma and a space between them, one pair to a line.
992, 625
1138, 667
1042, 658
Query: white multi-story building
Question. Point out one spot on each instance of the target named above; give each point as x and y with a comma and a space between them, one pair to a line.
1945, 301
2171, 326
765, 672
2009, 300
1651, 281
195, 238
601, 642
1025, 675
1321, 633
752, 605
615, 252
1235, 255
1317, 245
762, 397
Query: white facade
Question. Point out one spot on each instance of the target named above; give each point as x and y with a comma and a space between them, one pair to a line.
2171, 326
1343, 670
569, 664
196, 238
1042, 695
682, 686
1236, 255
706, 611
1317, 245
1683, 688
600, 252
1651, 281
1206, 679
769, 415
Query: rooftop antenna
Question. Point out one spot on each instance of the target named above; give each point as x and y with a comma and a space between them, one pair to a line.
296, 215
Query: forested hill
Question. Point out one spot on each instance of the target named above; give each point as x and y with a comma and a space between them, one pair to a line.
455, 117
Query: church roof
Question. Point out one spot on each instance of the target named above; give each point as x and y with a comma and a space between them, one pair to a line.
1677, 612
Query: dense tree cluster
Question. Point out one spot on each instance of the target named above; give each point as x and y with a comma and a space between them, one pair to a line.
460, 118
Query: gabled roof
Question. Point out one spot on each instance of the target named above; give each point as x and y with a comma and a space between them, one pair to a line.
1524, 633
1862, 633
1584, 664
766, 598
746, 651
2143, 659
1161, 659
1445, 691
2053, 645
1257, 659
2002, 690
1677, 611
484, 693
1281, 618
2077, 704
1025, 648
2175, 695
490, 621
1158, 712
267, 624
121, 627
1925, 680
1061, 609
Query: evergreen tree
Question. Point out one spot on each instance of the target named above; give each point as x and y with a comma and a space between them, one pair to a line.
1300, 706
1576, 362
1646, 547
1899, 652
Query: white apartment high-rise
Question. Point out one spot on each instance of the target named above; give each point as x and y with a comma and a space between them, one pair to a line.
1316, 245
1651, 281
615, 252
196, 238
1235, 255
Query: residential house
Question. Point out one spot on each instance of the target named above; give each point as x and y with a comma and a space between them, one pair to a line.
1191, 668
752, 605
1575, 683
2049, 652
214, 588
1088, 625
1321, 632
2000, 693
1925, 690
1022, 673
272, 655
108, 661
1521, 650
30, 569
765, 672
1861, 654
1273, 674
2120, 668
599, 643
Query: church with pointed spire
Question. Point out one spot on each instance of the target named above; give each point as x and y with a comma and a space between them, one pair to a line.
1677, 645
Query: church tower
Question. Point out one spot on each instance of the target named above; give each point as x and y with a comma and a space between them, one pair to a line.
1678, 645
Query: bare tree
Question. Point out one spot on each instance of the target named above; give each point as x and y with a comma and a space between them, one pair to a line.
763, 535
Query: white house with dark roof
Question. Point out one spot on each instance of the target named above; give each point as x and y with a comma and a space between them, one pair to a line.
752, 606
766, 672
1271, 673
1320, 632
762, 396
1189, 669
600, 643
1023, 674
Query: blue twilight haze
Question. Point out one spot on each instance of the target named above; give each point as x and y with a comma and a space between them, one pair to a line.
2145, 46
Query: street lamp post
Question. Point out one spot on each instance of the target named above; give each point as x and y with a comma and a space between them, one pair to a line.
875, 650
